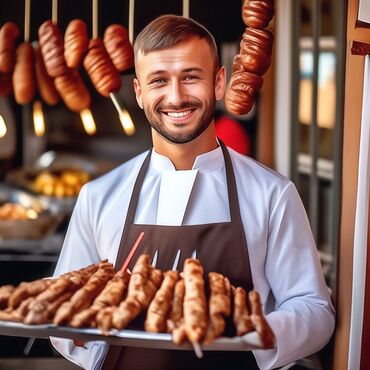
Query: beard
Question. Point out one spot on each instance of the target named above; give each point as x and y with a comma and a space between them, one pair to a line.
183, 134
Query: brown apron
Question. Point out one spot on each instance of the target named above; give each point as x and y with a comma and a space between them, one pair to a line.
220, 247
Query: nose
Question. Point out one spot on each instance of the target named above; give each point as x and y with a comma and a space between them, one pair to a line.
176, 93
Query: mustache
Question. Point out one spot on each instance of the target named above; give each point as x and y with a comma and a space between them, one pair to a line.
182, 105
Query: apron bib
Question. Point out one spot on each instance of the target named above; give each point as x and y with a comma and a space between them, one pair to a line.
220, 247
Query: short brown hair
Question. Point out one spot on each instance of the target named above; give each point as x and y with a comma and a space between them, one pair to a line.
169, 30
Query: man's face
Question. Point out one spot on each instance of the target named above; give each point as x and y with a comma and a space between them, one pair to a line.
177, 89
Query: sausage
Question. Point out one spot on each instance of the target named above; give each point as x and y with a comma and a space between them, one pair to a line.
255, 50
9, 33
24, 83
257, 13
239, 98
6, 86
52, 49
76, 42
100, 68
45, 83
73, 91
118, 46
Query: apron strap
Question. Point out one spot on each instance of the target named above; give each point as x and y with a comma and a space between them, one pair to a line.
132, 208
231, 186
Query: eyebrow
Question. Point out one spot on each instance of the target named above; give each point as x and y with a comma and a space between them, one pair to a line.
186, 70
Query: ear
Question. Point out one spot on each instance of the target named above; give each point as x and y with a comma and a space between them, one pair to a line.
220, 83
137, 89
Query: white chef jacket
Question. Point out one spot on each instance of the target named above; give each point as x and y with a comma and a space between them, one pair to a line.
284, 263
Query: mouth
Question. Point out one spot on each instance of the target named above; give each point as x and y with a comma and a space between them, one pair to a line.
179, 114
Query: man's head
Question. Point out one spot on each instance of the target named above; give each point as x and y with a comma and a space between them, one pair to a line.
169, 30
178, 79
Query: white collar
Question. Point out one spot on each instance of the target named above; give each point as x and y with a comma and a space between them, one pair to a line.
205, 162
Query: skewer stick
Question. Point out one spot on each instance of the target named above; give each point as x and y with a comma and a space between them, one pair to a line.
54, 11
185, 8
27, 14
131, 17
197, 349
132, 252
124, 116
95, 30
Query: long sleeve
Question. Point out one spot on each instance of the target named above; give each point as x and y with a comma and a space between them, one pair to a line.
303, 316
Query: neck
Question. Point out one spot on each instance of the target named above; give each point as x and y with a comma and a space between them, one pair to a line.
183, 155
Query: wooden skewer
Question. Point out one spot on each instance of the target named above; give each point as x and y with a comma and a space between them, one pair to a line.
27, 15
132, 252
54, 11
197, 349
131, 17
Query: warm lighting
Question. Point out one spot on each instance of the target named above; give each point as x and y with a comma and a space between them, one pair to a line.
88, 121
38, 119
126, 121
2, 127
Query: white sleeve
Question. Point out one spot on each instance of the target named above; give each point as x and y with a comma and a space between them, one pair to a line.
79, 250
303, 319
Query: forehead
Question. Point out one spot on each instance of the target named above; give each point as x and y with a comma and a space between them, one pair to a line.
192, 53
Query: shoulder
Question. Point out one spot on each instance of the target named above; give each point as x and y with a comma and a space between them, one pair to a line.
251, 171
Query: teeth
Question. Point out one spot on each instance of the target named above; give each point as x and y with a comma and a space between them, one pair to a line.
178, 114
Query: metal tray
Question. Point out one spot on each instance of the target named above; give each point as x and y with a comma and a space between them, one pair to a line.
131, 338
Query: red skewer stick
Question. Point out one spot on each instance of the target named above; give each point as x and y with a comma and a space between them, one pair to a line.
132, 252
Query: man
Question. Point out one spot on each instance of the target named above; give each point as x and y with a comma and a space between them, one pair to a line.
191, 192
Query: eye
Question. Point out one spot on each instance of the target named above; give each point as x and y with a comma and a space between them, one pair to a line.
158, 80
190, 78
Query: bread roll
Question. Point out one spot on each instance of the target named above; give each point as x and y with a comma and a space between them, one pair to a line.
52, 49
100, 69
45, 83
76, 42
24, 83
73, 91
257, 13
6, 86
8, 37
118, 46
239, 98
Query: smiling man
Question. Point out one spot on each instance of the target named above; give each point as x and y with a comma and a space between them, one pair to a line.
191, 192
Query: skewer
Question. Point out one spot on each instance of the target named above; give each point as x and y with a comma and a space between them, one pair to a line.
27, 14
54, 11
197, 349
185, 8
176, 261
155, 258
131, 17
132, 252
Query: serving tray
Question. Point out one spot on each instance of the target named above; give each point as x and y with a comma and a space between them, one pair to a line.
131, 338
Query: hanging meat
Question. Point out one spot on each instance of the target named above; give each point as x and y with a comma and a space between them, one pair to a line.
24, 79
100, 68
257, 13
76, 42
45, 83
118, 46
254, 57
68, 82
9, 33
